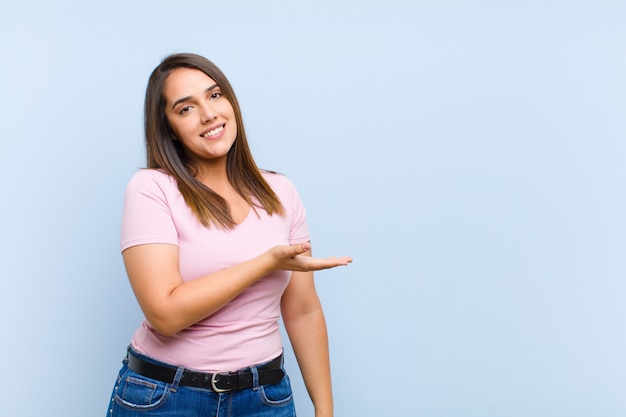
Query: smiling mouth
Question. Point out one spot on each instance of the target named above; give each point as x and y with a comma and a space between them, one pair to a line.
213, 132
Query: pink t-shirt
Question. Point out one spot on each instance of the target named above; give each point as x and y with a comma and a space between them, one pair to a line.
245, 331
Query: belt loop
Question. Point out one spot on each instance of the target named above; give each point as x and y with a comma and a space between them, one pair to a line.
125, 360
177, 378
255, 378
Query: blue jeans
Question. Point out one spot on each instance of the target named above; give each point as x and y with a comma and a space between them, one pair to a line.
137, 396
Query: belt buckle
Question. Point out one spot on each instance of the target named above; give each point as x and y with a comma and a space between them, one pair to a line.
214, 381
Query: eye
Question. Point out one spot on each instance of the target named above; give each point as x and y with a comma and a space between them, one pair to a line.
215, 95
184, 110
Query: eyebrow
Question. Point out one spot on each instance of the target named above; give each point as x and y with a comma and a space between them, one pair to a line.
182, 100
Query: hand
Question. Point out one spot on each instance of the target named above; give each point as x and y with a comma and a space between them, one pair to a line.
295, 258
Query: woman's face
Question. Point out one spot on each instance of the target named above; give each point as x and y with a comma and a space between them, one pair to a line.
201, 117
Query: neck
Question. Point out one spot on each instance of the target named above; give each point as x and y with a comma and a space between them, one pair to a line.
213, 173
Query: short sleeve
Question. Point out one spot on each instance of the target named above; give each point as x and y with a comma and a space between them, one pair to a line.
299, 227
146, 217
296, 212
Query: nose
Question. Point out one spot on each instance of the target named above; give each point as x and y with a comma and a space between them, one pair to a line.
208, 113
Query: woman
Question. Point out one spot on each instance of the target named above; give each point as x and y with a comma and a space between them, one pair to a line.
215, 250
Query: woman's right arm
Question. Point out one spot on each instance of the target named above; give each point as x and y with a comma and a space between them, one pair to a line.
170, 305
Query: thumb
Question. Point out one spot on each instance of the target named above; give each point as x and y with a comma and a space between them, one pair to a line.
300, 248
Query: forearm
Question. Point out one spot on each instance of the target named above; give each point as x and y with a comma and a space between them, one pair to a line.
309, 339
170, 304
193, 301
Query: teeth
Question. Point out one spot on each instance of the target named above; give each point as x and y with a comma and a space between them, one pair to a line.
214, 132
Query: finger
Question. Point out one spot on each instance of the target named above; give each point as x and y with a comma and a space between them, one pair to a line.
346, 259
341, 260
327, 263
299, 248
290, 251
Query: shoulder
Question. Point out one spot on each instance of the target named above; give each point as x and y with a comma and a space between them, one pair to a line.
279, 182
285, 190
152, 175
146, 179
152, 185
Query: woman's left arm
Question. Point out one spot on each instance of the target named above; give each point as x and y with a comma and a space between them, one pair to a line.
305, 324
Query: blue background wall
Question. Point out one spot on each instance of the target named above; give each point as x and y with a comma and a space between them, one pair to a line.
468, 154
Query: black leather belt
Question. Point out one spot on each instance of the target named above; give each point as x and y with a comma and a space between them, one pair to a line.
269, 373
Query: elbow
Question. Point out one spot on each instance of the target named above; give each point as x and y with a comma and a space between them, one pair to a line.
168, 319
164, 327
165, 331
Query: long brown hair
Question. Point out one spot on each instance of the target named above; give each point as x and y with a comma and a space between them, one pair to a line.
167, 154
